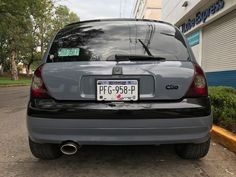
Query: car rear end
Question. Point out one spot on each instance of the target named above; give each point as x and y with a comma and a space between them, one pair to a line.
119, 82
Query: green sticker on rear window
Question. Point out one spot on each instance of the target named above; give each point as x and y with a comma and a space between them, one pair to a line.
68, 52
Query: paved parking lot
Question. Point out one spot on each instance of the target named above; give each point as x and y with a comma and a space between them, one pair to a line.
97, 161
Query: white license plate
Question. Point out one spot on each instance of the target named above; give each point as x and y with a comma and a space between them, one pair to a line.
117, 90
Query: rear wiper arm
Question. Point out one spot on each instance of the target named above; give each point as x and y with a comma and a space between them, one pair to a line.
145, 47
137, 58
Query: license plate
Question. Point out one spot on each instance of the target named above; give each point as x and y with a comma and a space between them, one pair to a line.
117, 90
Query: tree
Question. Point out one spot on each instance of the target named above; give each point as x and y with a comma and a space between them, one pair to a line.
3, 51
40, 12
63, 16
14, 22
47, 19
26, 27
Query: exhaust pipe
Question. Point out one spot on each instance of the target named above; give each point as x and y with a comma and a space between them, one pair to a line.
69, 148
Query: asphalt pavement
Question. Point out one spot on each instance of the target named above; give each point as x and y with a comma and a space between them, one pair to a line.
97, 161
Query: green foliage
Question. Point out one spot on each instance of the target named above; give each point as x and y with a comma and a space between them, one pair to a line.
27, 26
63, 16
223, 100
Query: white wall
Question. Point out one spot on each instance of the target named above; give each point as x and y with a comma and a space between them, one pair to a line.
172, 10
196, 52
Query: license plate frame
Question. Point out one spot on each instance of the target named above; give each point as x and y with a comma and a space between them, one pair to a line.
118, 79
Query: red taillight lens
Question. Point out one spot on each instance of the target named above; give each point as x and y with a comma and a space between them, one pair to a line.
38, 89
198, 87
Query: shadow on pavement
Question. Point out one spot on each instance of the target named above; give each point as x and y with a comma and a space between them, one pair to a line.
101, 161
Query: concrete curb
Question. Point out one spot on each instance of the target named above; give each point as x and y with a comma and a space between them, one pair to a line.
15, 85
224, 137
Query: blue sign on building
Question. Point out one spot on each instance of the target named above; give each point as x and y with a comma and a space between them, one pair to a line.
194, 38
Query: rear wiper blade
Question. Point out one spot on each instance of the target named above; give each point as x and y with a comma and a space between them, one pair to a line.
137, 58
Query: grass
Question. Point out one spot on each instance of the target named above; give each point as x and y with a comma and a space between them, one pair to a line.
223, 102
6, 81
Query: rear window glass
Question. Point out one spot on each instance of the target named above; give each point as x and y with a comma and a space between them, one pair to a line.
100, 41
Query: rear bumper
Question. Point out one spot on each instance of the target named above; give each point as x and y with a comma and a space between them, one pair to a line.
120, 131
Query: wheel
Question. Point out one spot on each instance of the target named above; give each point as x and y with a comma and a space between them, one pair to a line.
193, 151
45, 151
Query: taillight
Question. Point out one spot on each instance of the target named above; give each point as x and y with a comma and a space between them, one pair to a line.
38, 89
198, 87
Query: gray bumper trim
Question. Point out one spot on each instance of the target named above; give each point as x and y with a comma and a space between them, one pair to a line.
119, 132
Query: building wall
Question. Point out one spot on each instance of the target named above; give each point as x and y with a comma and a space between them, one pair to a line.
219, 44
154, 14
173, 10
148, 9
215, 46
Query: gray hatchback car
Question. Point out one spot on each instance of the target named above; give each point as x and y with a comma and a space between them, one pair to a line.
118, 82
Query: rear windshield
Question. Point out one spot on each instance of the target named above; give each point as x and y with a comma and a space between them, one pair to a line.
101, 41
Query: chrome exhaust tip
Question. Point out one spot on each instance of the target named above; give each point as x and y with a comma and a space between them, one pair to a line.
69, 148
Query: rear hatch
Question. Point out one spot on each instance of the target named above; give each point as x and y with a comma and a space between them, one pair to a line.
82, 54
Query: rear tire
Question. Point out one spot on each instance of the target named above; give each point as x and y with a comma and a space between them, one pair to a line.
45, 151
193, 151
